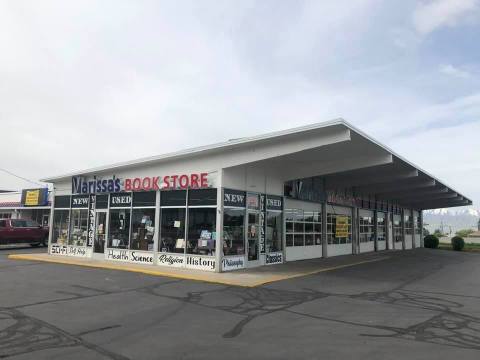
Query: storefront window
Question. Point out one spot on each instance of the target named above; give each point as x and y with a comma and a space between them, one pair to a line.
397, 228
366, 229
381, 226
119, 228
61, 223
408, 225
234, 231
172, 230
274, 231
202, 231
303, 228
143, 229
418, 224
339, 229
78, 227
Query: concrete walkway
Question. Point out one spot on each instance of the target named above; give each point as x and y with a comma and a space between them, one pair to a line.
247, 277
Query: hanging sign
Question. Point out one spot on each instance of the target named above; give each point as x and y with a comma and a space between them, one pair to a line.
341, 226
91, 220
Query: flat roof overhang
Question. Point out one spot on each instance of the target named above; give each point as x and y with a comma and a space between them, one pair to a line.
342, 155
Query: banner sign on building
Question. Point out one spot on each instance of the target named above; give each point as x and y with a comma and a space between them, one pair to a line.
274, 202
233, 263
35, 197
91, 221
234, 198
274, 258
80, 185
79, 201
262, 224
341, 226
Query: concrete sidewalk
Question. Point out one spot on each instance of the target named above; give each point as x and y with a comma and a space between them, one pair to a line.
247, 277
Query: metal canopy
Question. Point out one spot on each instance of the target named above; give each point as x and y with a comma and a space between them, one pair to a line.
343, 156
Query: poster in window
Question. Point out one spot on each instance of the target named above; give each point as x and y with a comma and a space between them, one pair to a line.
341, 226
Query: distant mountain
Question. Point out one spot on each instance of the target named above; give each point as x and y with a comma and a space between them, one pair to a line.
451, 220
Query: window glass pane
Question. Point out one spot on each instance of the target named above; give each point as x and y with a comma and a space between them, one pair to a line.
202, 197
62, 201
234, 232
289, 240
19, 223
119, 228
274, 231
3, 223
332, 229
298, 240
318, 239
309, 227
78, 227
253, 235
173, 198
289, 227
308, 216
61, 222
143, 229
298, 227
101, 202
173, 231
144, 198
289, 215
31, 223
201, 231
309, 240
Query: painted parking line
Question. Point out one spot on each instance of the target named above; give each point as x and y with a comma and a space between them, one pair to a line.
250, 279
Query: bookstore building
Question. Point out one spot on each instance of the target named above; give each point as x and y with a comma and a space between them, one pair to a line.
316, 191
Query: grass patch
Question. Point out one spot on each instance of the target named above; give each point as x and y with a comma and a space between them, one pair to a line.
468, 247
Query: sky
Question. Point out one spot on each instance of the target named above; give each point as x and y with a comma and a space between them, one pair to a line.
89, 83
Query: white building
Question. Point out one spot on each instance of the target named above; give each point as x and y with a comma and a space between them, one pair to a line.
315, 191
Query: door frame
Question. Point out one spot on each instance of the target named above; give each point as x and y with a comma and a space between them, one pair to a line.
100, 255
257, 262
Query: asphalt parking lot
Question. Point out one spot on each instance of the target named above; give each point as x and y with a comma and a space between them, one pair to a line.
419, 304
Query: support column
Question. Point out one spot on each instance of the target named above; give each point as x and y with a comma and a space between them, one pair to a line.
414, 236
52, 219
324, 231
403, 227
375, 229
420, 213
156, 234
355, 229
219, 227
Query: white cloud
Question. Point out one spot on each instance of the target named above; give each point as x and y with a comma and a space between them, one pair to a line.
454, 71
429, 16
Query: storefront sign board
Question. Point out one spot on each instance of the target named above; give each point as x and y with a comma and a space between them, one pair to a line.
233, 263
91, 220
274, 258
173, 260
206, 263
58, 249
341, 226
141, 257
79, 251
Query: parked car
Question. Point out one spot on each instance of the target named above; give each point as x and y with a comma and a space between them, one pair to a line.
21, 232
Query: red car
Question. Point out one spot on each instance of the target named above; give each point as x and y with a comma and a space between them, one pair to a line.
21, 232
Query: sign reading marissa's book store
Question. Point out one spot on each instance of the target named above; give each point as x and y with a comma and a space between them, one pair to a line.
81, 185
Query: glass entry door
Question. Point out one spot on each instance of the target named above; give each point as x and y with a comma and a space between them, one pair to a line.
100, 228
253, 236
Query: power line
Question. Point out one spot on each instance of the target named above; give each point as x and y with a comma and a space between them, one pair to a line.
21, 177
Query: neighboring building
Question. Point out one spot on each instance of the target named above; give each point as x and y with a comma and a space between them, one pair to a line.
32, 204
315, 191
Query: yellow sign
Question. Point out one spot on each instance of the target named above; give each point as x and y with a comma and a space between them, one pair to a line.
32, 197
341, 226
